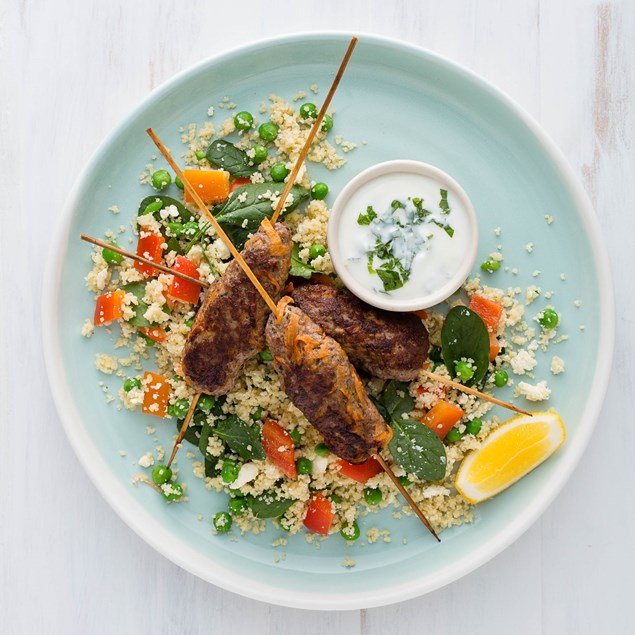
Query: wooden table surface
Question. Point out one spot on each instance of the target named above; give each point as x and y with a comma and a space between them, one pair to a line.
69, 71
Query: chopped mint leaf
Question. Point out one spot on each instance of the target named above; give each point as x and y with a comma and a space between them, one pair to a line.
368, 217
443, 203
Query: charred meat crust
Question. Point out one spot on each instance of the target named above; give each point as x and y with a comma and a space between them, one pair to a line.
318, 378
385, 344
229, 326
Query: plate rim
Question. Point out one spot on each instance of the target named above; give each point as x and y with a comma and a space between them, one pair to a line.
177, 550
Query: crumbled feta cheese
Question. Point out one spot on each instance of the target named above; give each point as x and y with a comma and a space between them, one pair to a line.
522, 362
539, 392
146, 460
247, 473
557, 365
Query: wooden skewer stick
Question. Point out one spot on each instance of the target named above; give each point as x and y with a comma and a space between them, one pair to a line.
471, 391
145, 261
210, 217
405, 494
314, 130
184, 426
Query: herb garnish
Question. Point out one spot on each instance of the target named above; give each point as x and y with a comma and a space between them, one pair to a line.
368, 217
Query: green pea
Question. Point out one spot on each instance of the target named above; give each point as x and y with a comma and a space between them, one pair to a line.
321, 449
336, 498
229, 471
279, 172
179, 409
243, 120
327, 123
265, 356
178, 183
548, 319
172, 491
161, 474
161, 179
190, 229
130, 383
317, 250
474, 426
308, 111
454, 435
490, 265
189, 322
501, 378
268, 131
148, 340
222, 522
296, 436
200, 155
152, 207
176, 229
350, 532
236, 493
404, 480
372, 496
319, 191
303, 465
256, 415
260, 154
206, 403
112, 257
237, 506
464, 371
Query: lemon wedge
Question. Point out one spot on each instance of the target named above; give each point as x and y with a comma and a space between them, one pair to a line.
510, 452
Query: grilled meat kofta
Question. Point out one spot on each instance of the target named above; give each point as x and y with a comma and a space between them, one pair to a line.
385, 344
230, 324
319, 379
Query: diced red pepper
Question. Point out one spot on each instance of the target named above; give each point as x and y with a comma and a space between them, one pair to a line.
421, 313
155, 333
109, 307
442, 417
319, 515
156, 394
185, 290
150, 246
360, 472
212, 186
279, 447
494, 347
239, 182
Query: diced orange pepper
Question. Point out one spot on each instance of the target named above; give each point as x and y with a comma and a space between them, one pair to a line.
109, 307
421, 313
155, 333
442, 417
185, 290
488, 310
279, 447
239, 182
156, 394
360, 472
211, 185
150, 246
319, 515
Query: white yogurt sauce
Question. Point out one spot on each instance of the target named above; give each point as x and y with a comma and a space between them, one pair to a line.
416, 239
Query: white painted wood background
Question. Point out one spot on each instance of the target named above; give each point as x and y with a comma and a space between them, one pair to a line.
69, 70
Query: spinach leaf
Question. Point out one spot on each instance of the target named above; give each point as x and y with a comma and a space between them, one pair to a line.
206, 432
184, 214
418, 449
241, 438
139, 290
192, 434
241, 214
464, 335
174, 245
267, 506
298, 267
396, 399
226, 156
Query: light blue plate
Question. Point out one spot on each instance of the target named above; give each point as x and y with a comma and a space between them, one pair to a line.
396, 102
